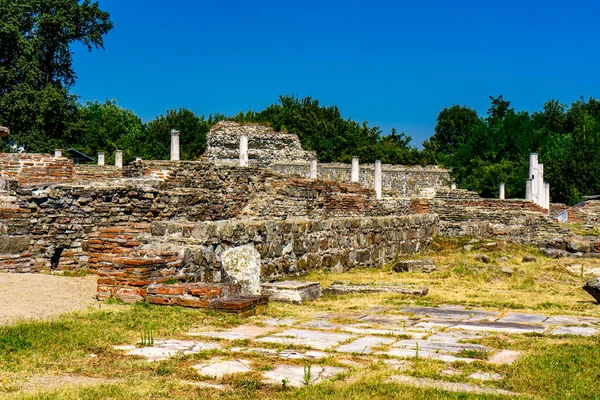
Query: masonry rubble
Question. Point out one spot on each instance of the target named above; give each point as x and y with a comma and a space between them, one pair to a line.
154, 221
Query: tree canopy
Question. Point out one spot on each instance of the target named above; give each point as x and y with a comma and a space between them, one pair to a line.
36, 67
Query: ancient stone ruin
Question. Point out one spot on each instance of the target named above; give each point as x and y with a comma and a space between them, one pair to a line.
256, 208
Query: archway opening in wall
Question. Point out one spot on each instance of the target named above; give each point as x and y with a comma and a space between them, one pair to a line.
54, 261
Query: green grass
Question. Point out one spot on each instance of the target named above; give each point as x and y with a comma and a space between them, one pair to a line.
80, 345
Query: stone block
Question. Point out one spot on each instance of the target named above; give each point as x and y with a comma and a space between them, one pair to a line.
241, 265
345, 288
593, 288
426, 265
295, 292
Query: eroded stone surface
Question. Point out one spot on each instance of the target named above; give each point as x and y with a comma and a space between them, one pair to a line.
523, 318
299, 376
241, 265
449, 386
365, 344
164, 349
504, 357
216, 368
292, 291
314, 339
574, 330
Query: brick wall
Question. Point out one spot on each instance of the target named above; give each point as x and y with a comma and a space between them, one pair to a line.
34, 169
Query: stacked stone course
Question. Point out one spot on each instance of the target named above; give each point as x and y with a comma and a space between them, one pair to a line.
35, 169
401, 180
265, 146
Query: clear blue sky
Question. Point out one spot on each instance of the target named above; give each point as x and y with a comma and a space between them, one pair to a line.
394, 63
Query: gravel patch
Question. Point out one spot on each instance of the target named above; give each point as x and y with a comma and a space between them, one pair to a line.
39, 296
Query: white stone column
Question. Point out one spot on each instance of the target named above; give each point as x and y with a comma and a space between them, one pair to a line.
540, 186
119, 158
57, 153
528, 186
502, 191
244, 150
174, 145
355, 170
547, 196
101, 158
533, 175
312, 173
453, 186
378, 179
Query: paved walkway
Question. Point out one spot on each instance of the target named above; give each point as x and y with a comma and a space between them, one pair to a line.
410, 333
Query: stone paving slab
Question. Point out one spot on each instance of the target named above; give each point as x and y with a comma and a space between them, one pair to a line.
507, 357
285, 354
454, 336
164, 349
449, 386
416, 333
566, 320
315, 339
279, 321
413, 353
385, 319
216, 368
574, 330
523, 318
505, 327
365, 344
444, 347
295, 375
485, 376
450, 313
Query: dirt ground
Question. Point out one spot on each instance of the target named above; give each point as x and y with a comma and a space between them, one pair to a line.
39, 296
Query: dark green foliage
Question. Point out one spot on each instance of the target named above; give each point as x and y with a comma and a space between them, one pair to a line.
333, 137
156, 136
485, 152
36, 67
107, 127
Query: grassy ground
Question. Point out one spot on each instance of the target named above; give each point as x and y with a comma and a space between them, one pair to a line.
72, 357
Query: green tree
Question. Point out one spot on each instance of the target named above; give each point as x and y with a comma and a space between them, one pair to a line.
36, 69
107, 127
454, 127
156, 143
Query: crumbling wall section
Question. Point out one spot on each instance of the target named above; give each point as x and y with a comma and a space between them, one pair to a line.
265, 146
90, 173
517, 219
14, 235
403, 180
35, 169
296, 246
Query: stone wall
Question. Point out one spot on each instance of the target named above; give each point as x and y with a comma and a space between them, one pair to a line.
34, 169
14, 235
265, 146
587, 212
89, 173
402, 180
518, 219
128, 258
315, 198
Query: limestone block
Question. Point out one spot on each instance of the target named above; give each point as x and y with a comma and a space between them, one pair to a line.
241, 265
579, 246
292, 291
426, 265
346, 288
593, 288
